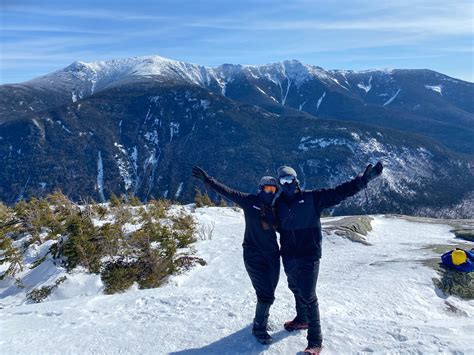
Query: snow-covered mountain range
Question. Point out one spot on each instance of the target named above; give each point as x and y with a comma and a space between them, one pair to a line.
137, 125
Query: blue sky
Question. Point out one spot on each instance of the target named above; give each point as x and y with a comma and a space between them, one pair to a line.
40, 36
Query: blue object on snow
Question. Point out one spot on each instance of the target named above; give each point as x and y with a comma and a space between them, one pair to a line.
467, 266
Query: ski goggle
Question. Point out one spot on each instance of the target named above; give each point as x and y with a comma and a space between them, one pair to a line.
269, 188
286, 180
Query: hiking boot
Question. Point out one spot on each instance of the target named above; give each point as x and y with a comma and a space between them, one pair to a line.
295, 325
313, 350
261, 334
260, 323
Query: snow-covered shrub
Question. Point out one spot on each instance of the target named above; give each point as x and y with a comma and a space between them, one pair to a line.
124, 243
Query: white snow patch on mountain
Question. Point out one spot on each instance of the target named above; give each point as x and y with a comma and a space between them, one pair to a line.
378, 299
307, 143
263, 92
302, 104
367, 87
124, 166
320, 100
205, 104
179, 190
435, 88
174, 129
100, 177
392, 98
338, 83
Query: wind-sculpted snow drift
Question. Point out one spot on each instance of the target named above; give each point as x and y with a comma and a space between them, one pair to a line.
374, 298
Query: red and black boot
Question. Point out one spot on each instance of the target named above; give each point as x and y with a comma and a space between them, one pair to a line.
313, 350
295, 324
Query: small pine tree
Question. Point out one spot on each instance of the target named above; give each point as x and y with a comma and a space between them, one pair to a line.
134, 200
115, 201
202, 200
9, 254
80, 247
222, 203
184, 228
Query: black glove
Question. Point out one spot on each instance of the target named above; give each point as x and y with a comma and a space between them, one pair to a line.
200, 173
371, 172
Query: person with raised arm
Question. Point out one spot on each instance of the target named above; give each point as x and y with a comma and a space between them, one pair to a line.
261, 251
298, 213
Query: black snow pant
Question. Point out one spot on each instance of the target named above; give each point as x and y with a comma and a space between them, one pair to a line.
264, 272
302, 274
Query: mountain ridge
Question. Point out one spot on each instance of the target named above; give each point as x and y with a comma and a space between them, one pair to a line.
141, 134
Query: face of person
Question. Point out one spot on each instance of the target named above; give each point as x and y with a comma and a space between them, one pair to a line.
267, 193
269, 189
288, 184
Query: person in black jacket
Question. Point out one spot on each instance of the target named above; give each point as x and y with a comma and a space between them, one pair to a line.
261, 250
298, 213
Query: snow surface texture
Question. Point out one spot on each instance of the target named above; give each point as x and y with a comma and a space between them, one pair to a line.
376, 299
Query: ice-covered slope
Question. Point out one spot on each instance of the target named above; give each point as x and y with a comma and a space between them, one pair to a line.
377, 298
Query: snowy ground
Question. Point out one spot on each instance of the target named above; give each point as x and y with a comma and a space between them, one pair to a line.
377, 298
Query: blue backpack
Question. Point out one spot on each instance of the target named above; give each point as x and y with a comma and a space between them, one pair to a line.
467, 266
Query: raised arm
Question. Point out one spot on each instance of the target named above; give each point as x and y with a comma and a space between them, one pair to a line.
231, 194
326, 198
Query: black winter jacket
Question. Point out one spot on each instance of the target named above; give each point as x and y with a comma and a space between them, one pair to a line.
299, 221
259, 235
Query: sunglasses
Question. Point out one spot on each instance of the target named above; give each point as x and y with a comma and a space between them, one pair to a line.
286, 180
269, 188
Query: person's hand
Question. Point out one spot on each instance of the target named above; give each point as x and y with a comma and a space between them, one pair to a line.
371, 172
200, 173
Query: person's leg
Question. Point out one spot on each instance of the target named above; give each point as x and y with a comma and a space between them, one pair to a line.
309, 270
292, 273
263, 274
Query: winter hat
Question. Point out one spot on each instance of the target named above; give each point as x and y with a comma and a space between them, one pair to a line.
459, 257
285, 171
267, 181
